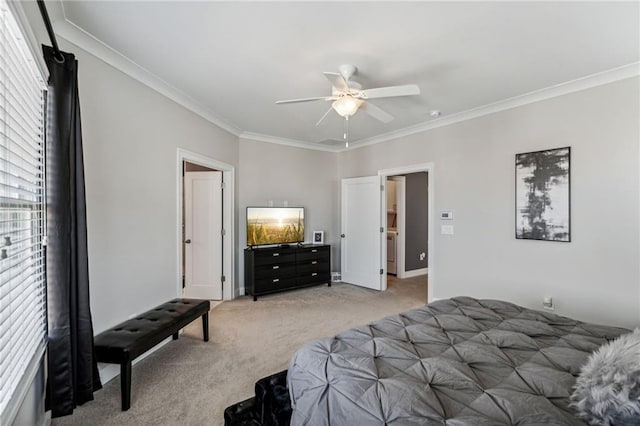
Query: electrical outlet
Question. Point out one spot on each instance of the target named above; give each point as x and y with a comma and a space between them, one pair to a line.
547, 303
446, 229
422, 256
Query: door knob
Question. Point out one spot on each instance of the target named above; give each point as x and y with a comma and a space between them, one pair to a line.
187, 241
342, 235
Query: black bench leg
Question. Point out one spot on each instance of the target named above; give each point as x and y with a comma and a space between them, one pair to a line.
125, 384
205, 326
175, 335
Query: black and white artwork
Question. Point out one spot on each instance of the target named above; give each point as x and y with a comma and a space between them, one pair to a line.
543, 195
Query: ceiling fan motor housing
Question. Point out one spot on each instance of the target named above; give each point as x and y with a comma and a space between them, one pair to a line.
354, 90
347, 71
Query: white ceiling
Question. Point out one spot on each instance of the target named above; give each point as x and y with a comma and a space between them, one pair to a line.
234, 59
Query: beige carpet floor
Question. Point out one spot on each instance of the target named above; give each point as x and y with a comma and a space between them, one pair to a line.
190, 382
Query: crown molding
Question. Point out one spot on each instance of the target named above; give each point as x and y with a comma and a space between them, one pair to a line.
583, 83
288, 142
79, 37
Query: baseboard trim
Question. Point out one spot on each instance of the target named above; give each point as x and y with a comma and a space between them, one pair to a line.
109, 372
416, 273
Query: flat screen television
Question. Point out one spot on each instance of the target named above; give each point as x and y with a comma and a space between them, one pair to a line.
274, 225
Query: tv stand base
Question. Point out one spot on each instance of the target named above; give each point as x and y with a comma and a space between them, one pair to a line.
275, 269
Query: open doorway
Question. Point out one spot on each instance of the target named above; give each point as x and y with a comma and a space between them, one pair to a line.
408, 219
205, 213
407, 224
396, 192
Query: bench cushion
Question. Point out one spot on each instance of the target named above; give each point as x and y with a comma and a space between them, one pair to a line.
129, 339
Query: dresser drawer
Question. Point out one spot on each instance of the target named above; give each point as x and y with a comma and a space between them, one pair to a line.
274, 257
314, 278
313, 265
273, 284
313, 253
275, 271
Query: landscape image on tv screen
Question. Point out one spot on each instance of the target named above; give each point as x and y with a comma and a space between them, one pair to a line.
274, 225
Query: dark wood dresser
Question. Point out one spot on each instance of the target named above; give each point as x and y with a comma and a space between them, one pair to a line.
274, 269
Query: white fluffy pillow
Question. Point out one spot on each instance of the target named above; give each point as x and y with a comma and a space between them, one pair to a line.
607, 391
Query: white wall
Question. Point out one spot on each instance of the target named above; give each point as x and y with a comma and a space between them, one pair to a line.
596, 276
279, 173
131, 135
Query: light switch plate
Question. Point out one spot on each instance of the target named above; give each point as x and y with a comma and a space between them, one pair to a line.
446, 229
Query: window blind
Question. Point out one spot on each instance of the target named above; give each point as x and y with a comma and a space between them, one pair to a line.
22, 227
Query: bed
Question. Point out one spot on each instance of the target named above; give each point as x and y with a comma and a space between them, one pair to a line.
458, 361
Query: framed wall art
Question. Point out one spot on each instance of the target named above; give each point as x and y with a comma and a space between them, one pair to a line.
543, 196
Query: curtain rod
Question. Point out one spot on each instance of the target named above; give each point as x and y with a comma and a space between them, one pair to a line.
47, 23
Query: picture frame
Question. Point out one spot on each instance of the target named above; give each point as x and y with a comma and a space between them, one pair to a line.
543, 195
318, 237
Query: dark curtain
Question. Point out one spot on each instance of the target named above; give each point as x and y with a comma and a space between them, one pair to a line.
72, 368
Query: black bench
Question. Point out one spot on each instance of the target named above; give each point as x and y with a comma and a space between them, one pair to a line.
130, 339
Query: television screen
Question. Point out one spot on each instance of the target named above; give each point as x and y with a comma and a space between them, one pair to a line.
274, 225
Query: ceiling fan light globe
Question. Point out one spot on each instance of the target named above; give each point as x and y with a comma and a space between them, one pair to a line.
346, 106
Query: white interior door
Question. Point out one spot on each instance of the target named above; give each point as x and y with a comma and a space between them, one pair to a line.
203, 235
361, 236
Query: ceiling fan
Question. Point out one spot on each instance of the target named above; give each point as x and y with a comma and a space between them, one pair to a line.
347, 96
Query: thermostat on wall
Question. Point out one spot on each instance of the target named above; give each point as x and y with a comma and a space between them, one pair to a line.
446, 215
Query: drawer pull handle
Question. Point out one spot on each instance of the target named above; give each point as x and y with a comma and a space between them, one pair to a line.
276, 254
314, 251
314, 262
276, 280
276, 267
314, 274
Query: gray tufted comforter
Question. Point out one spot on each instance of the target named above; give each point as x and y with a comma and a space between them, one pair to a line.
458, 361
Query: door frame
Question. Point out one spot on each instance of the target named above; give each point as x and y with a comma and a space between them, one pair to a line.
228, 253
403, 170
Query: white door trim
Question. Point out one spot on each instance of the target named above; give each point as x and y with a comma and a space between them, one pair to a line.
423, 167
228, 253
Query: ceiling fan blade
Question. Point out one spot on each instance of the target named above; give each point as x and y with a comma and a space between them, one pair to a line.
337, 80
377, 113
390, 91
292, 101
324, 116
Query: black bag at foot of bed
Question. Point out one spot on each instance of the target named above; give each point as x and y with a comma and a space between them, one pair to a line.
269, 407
